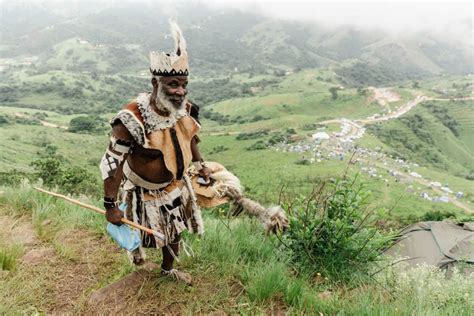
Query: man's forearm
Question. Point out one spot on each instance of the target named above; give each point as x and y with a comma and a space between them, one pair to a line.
195, 150
112, 184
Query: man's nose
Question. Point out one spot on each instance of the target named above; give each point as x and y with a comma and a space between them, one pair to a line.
181, 91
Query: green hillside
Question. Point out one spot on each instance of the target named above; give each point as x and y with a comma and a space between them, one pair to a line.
263, 172
438, 134
220, 41
299, 98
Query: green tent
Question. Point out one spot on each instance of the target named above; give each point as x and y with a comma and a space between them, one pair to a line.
441, 244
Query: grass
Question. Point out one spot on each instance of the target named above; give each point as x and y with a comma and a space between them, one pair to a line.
22, 143
8, 256
237, 269
444, 149
262, 180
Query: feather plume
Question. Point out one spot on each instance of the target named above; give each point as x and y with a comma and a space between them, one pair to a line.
179, 41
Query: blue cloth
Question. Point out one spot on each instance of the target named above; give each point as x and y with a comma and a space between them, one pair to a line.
125, 236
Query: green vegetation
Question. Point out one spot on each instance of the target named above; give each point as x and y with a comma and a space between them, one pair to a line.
87, 125
53, 170
260, 82
436, 134
8, 257
331, 233
237, 267
363, 73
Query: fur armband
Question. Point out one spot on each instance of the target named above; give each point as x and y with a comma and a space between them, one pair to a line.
110, 163
120, 145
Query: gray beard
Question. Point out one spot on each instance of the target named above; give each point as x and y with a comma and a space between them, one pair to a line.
164, 104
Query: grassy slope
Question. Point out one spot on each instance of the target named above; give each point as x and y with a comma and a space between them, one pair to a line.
302, 93
262, 180
455, 153
22, 143
226, 263
274, 169
236, 269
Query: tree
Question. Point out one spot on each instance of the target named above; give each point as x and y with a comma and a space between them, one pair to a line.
333, 91
86, 124
362, 91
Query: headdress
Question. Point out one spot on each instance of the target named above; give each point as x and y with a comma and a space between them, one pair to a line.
171, 64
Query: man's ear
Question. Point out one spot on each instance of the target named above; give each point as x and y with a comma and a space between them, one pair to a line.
154, 82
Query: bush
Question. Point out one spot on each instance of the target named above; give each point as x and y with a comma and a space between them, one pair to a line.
332, 233
437, 215
55, 171
259, 145
13, 177
333, 91
311, 126
86, 125
303, 161
252, 135
5, 119
218, 149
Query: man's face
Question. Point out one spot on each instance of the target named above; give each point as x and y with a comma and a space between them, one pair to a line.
175, 89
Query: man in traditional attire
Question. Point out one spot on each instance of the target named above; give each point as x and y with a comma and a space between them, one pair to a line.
153, 142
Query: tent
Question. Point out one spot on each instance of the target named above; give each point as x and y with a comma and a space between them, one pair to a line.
321, 136
441, 244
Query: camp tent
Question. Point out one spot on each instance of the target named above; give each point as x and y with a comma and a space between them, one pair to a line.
441, 244
321, 136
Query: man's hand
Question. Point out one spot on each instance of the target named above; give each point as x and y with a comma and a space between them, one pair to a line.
205, 173
114, 216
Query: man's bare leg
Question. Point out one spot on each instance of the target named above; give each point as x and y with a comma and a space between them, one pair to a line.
168, 261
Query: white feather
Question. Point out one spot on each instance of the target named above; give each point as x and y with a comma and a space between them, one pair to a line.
179, 41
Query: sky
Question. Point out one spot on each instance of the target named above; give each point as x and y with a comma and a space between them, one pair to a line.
451, 17
393, 16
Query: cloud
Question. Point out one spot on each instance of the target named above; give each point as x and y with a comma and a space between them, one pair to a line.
389, 15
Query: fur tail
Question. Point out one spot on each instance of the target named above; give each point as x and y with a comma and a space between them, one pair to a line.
273, 219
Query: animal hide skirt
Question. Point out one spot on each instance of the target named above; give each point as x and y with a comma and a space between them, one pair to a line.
160, 207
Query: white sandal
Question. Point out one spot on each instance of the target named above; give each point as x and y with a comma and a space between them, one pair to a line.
178, 275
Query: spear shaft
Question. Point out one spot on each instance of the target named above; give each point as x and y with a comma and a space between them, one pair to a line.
98, 210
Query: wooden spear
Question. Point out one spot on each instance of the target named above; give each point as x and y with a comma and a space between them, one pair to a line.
98, 210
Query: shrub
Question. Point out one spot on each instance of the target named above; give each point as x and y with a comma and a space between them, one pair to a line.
55, 171
332, 233
311, 126
333, 91
252, 135
5, 119
86, 125
218, 149
13, 177
437, 215
303, 161
259, 145
8, 257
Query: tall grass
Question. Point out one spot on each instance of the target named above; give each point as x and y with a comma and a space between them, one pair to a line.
239, 252
24, 200
9, 256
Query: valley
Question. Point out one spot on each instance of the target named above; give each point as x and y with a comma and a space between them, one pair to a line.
356, 133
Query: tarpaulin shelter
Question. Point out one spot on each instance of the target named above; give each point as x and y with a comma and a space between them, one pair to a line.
441, 244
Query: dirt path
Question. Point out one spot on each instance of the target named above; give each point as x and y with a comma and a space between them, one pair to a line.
77, 272
44, 123
353, 129
356, 126
54, 272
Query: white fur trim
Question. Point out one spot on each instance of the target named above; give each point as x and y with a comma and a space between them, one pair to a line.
153, 121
